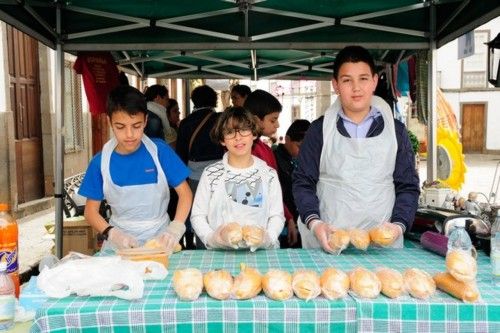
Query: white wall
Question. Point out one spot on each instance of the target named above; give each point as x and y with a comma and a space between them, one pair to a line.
449, 68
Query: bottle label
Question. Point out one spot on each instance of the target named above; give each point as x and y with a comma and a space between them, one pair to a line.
9, 256
7, 307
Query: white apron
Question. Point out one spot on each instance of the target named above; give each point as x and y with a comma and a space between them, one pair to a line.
355, 187
225, 210
140, 210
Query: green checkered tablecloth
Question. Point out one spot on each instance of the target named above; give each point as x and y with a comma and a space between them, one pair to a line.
160, 311
441, 313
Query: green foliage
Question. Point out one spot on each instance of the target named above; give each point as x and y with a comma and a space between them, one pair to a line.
414, 141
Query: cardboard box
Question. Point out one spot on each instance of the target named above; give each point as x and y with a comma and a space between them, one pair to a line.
78, 235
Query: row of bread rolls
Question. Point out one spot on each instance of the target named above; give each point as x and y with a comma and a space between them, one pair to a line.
307, 284
340, 239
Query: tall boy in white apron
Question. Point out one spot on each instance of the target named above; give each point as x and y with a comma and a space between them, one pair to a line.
356, 185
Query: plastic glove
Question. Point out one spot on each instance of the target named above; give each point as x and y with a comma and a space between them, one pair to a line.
226, 236
322, 231
386, 234
171, 236
121, 240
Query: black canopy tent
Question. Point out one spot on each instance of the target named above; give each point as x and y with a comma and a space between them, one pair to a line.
258, 39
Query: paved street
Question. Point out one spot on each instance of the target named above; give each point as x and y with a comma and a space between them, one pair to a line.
34, 245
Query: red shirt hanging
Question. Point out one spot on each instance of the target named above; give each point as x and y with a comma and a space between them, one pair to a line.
100, 76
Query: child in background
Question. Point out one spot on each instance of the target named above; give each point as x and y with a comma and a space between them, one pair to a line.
266, 110
286, 156
241, 188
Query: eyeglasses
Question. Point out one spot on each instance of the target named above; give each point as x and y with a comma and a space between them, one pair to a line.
231, 133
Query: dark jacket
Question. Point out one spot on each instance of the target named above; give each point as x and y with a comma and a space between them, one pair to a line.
306, 176
154, 127
285, 169
203, 149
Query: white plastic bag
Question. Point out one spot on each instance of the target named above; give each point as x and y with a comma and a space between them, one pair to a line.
100, 276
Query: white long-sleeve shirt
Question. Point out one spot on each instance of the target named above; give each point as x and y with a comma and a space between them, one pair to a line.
220, 181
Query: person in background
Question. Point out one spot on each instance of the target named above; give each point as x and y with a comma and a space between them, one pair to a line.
286, 157
133, 173
157, 124
266, 110
173, 116
194, 146
241, 188
239, 94
356, 165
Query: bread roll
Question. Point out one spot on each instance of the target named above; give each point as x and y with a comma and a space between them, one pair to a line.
465, 291
306, 284
188, 283
339, 240
392, 282
253, 235
334, 283
154, 244
419, 283
461, 265
232, 233
277, 285
364, 283
218, 284
360, 238
144, 254
382, 236
247, 284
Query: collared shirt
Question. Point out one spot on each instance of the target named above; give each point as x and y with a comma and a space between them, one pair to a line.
359, 130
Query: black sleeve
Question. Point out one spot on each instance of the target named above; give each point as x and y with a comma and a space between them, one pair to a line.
182, 145
406, 181
306, 175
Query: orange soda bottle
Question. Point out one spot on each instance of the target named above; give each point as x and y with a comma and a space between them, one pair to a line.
8, 244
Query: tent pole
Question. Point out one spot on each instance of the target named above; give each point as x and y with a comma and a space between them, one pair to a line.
59, 137
431, 96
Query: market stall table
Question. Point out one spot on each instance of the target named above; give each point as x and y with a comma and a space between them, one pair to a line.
160, 311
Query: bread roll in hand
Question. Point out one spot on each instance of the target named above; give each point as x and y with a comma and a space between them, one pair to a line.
277, 285
188, 283
306, 284
419, 283
360, 238
218, 284
461, 265
382, 236
392, 282
153, 244
232, 233
253, 236
334, 283
465, 291
364, 283
247, 284
339, 240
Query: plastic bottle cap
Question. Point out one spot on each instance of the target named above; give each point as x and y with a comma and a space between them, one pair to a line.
4, 207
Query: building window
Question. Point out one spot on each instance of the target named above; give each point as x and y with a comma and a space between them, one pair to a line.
475, 66
73, 119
